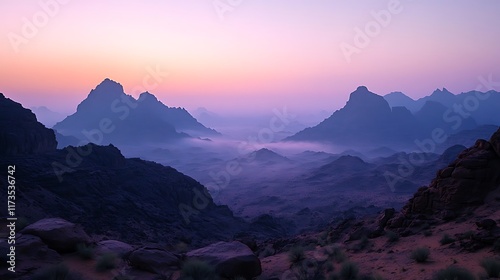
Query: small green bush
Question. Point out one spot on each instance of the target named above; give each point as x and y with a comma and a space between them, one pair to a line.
349, 271
446, 239
420, 255
85, 252
197, 270
336, 254
392, 236
453, 273
492, 267
106, 262
296, 255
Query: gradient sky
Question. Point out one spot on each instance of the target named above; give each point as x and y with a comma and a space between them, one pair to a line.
264, 54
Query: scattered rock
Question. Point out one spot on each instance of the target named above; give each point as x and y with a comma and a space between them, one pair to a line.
154, 260
58, 234
230, 259
31, 254
113, 246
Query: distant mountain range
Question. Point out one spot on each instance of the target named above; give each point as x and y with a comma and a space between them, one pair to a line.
46, 116
368, 120
108, 115
481, 106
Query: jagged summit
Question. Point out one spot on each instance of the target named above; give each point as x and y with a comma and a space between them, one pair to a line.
122, 119
443, 91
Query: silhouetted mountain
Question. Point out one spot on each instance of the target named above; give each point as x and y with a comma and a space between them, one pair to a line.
21, 133
480, 106
108, 115
265, 156
96, 186
398, 98
344, 165
367, 119
46, 116
434, 115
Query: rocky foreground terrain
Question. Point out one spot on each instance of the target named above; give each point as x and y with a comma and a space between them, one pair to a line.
90, 213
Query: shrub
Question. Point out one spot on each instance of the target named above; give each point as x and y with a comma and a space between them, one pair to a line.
55, 272
363, 243
492, 267
420, 255
453, 273
267, 252
446, 239
197, 270
349, 271
106, 262
392, 236
427, 233
336, 254
296, 255
85, 252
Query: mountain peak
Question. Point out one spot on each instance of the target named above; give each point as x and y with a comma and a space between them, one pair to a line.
107, 86
148, 95
363, 98
362, 88
443, 91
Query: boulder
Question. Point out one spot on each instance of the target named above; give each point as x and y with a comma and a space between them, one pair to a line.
31, 254
113, 246
153, 260
58, 234
230, 259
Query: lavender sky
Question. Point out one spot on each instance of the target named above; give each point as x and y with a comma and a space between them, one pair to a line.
250, 56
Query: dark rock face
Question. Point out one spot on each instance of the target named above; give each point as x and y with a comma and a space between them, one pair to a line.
20, 133
58, 234
231, 259
464, 183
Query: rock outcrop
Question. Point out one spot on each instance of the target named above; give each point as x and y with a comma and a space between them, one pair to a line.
58, 234
230, 259
113, 247
154, 260
463, 183
21, 133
